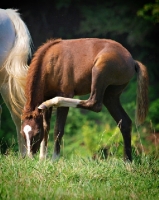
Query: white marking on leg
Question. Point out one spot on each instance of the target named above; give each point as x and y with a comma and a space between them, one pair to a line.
26, 130
43, 150
68, 102
60, 102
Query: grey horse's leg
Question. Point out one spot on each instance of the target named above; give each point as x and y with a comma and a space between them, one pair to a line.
17, 121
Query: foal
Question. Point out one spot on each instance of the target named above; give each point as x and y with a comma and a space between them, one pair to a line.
65, 68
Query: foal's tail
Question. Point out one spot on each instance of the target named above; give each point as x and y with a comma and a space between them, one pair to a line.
16, 63
142, 92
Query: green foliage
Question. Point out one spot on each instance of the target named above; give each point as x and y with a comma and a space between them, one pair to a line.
111, 21
96, 140
88, 134
150, 12
153, 114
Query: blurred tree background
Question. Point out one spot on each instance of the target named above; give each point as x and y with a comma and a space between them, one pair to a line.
135, 24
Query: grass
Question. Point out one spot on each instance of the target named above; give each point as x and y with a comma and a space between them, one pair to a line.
78, 178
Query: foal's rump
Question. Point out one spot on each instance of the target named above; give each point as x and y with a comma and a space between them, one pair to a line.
117, 67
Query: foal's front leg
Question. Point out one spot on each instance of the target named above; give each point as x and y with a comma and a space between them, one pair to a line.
43, 150
59, 130
46, 125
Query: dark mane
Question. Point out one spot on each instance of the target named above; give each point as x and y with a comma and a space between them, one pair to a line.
43, 48
31, 114
39, 54
35, 71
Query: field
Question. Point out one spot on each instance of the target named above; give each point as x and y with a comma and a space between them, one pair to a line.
78, 178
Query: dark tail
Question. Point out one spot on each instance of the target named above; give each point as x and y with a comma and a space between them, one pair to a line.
142, 92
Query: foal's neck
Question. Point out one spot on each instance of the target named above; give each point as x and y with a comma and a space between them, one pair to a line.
34, 86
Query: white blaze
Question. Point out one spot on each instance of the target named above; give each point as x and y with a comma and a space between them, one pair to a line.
26, 130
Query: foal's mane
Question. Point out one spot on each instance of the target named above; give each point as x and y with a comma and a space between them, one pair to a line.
39, 54
34, 91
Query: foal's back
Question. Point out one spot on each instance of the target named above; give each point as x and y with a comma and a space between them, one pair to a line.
68, 64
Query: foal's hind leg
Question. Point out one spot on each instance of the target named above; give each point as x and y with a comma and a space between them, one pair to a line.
112, 102
100, 81
59, 129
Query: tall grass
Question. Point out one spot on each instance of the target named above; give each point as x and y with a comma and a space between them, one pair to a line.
78, 178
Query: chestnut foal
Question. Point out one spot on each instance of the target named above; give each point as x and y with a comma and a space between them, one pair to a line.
61, 69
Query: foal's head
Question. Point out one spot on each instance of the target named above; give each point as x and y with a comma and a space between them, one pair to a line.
33, 133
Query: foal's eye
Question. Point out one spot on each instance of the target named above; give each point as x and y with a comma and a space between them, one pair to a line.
38, 133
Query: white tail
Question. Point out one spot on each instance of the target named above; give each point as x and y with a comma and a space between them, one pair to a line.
16, 63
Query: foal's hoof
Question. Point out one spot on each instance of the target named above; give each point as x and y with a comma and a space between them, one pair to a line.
55, 157
42, 107
42, 158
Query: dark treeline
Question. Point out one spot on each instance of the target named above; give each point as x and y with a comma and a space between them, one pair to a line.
127, 22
